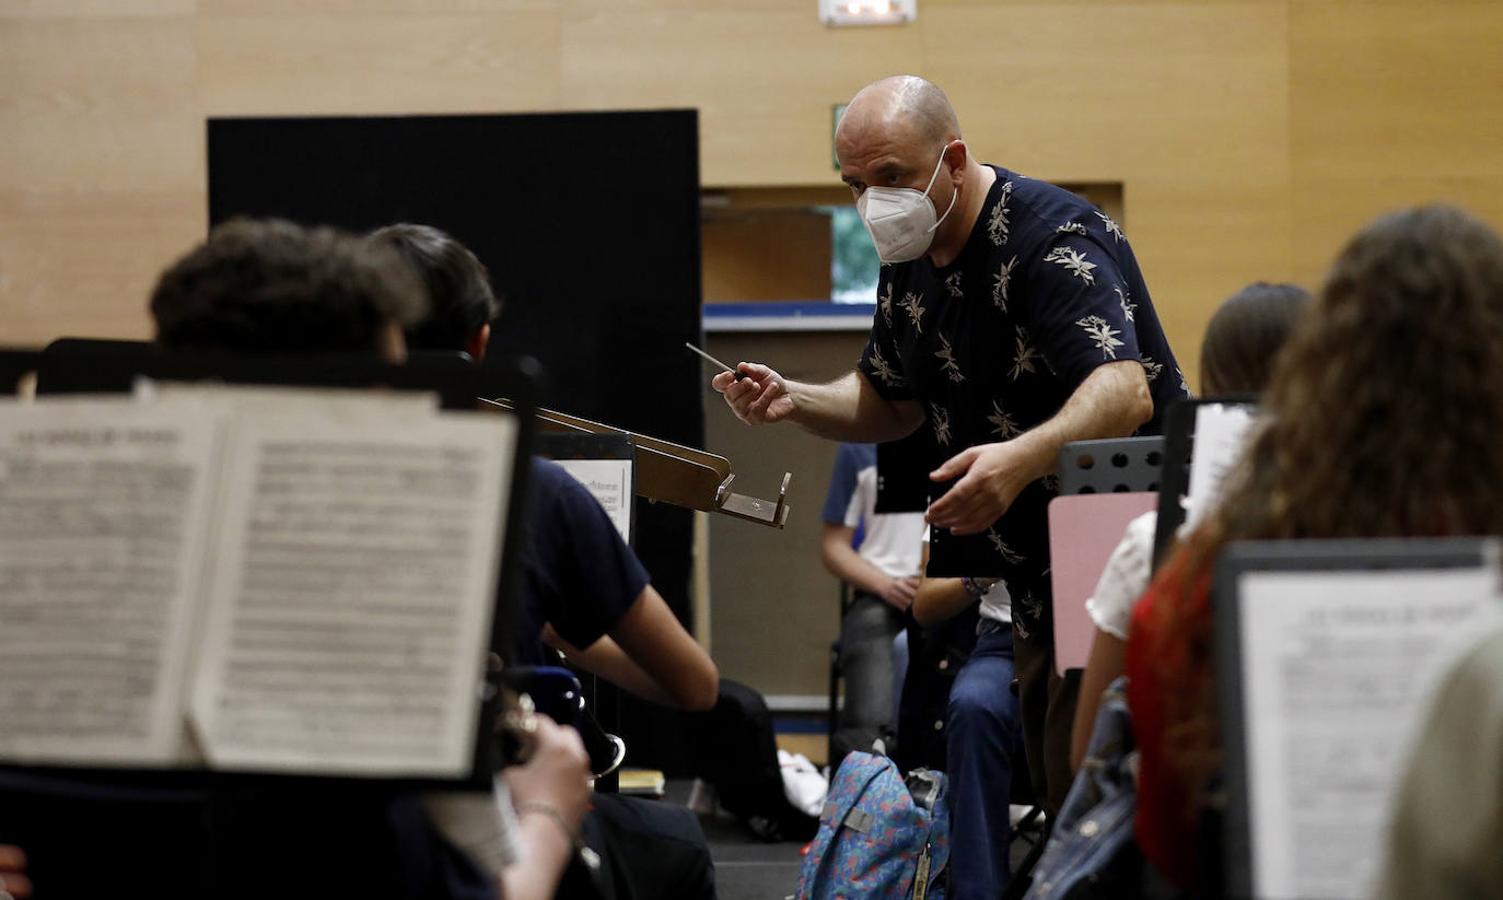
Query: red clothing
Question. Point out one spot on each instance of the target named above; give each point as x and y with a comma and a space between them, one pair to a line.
1164, 834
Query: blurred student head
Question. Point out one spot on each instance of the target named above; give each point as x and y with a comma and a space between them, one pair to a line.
259, 286
463, 303
1382, 419
1245, 335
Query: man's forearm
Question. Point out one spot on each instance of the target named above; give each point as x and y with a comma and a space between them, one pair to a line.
1112, 402
847, 409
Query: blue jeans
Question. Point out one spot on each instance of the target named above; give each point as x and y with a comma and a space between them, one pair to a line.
984, 736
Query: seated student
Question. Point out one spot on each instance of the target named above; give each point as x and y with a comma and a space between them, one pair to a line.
584, 593
1236, 358
1383, 418
983, 732
269, 286
273, 286
1448, 820
883, 574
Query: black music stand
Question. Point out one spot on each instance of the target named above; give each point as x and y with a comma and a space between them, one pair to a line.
15, 364
1111, 466
1179, 447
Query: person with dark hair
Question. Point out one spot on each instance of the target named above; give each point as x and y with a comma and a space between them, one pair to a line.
464, 303
584, 594
1383, 419
1236, 359
259, 286
276, 287
1245, 335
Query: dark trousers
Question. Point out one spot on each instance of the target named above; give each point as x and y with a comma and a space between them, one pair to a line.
984, 741
649, 850
867, 630
1048, 707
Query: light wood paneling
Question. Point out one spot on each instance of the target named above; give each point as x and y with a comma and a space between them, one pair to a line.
1250, 138
764, 78
766, 255
98, 104
776, 609
1391, 104
372, 62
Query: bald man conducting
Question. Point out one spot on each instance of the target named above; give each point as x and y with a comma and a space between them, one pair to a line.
1012, 316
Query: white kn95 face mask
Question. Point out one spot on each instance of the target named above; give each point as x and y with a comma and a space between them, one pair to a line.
902, 221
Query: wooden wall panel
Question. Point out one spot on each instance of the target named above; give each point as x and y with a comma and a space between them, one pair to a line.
775, 608
1250, 138
376, 62
764, 78
1391, 104
101, 172
766, 255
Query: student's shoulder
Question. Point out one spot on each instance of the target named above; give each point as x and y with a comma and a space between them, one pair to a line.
553, 487
857, 456
548, 477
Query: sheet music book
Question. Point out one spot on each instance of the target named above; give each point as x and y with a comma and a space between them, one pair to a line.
1337, 668
249, 580
1222, 432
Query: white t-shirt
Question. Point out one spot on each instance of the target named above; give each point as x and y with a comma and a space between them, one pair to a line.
1125, 577
996, 604
893, 542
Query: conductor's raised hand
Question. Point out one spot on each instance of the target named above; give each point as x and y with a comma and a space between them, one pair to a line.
758, 397
991, 477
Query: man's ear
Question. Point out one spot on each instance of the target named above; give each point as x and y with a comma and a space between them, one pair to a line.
478, 342
956, 156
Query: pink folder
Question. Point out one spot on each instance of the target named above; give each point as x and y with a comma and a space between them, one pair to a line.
1084, 529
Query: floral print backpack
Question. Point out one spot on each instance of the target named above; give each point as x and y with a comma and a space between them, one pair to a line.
879, 837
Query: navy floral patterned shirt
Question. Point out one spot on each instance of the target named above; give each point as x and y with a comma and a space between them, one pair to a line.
1045, 290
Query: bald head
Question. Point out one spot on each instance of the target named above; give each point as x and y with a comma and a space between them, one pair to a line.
901, 107
901, 133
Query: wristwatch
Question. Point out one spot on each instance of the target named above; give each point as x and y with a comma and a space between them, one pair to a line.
976, 588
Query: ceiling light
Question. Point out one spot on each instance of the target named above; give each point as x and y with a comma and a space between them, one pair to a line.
867, 12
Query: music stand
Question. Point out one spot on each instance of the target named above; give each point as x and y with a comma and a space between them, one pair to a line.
1326, 653
1104, 484
15, 364
103, 367
1174, 483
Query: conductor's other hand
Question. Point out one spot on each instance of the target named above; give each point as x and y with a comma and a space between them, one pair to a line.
991, 477
759, 397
